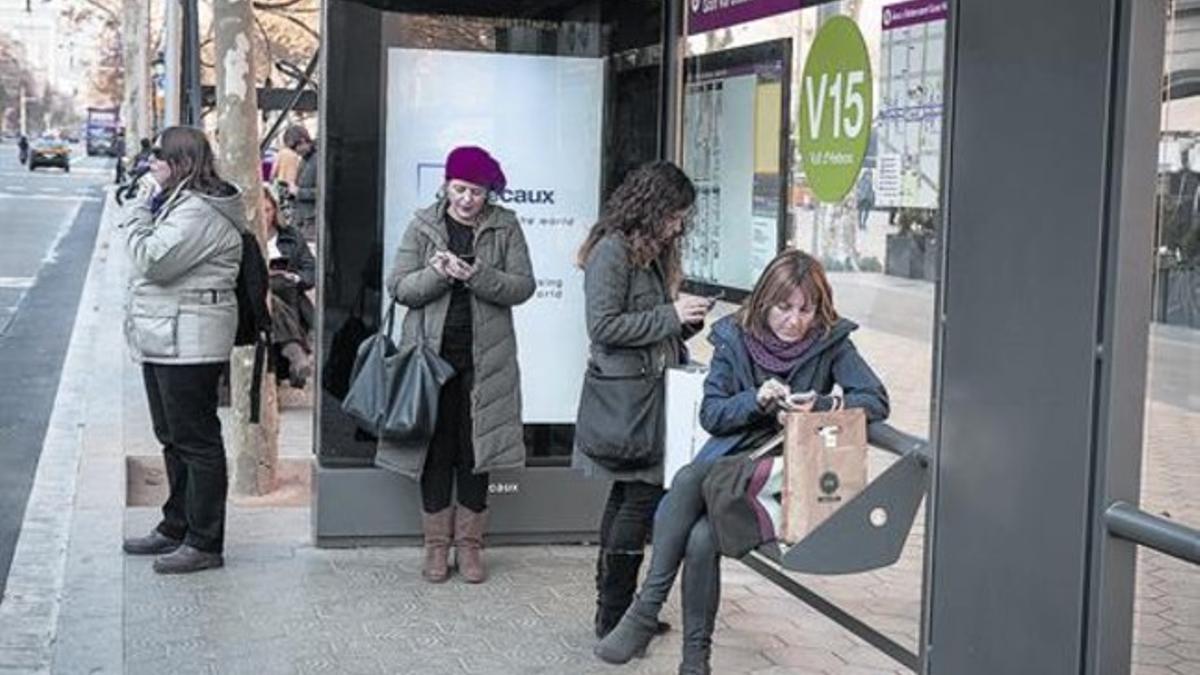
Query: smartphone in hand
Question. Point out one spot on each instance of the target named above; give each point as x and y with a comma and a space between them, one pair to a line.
801, 398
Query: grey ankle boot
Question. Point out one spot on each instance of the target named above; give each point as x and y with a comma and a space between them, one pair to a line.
628, 639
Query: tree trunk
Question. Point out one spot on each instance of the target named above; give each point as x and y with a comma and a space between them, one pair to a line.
135, 41
255, 446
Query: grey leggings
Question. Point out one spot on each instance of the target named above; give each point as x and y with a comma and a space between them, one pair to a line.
683, 535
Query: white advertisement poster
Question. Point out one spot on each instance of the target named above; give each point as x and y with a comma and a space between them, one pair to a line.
540, 117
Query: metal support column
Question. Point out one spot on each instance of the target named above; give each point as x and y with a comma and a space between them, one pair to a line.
1052, 120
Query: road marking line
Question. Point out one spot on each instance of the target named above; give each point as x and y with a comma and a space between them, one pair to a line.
16, 282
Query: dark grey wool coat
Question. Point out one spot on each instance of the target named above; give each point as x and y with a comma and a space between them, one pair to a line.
630, 318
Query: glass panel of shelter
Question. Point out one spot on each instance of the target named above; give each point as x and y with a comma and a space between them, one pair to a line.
1166, 632
607, 56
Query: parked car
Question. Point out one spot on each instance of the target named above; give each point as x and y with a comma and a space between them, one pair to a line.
50, 151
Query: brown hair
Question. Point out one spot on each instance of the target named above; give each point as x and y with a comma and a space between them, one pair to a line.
269, 195
638, 210
187, 152
789, 270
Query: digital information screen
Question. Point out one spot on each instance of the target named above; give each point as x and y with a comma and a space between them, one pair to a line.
735, 136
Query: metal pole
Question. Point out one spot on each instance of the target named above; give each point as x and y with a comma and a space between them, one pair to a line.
172, 59
191, 63
671, 96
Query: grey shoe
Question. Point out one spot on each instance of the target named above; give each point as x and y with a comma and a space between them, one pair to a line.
155, 543
628, 639
187, 559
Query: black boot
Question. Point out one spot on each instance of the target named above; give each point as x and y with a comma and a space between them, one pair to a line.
616, 580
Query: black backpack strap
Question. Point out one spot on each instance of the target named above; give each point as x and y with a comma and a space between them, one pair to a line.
260, 353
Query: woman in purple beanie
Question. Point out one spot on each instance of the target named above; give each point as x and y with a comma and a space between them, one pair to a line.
461, 267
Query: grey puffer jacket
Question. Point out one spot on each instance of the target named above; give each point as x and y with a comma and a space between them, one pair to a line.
630, 319
504, 278
181, 307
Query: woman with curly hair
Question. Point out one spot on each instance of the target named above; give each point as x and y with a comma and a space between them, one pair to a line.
636, 319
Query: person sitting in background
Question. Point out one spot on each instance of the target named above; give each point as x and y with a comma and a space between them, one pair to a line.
293, 272
786, 339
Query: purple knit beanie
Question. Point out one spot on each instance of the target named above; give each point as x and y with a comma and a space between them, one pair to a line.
474, 165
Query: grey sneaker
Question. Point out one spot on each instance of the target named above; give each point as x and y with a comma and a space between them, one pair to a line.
187, 559
155, 543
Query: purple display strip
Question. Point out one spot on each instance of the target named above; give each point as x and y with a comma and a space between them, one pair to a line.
706, 15
914, 12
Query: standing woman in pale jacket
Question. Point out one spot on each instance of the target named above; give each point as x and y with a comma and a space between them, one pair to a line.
635, 317
462, 266
183, 236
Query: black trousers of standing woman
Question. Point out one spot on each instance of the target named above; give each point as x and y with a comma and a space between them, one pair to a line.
624, 528
183, 410
450, 462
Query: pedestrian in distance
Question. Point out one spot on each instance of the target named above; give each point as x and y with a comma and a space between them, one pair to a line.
636, 318
783, 351
183, 233
304, 190
461, 267
293, 272
286, 167
23, 149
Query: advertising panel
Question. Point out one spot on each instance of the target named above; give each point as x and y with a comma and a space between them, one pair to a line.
541, 117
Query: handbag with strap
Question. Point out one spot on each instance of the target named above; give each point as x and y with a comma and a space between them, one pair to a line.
741, 496
394, 392
621, 419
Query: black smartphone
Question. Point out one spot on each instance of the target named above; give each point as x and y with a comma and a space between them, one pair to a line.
468, 258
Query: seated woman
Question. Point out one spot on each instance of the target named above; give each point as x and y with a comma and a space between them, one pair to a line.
293, 272
786, 338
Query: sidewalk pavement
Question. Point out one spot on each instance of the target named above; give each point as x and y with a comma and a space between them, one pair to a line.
75, 604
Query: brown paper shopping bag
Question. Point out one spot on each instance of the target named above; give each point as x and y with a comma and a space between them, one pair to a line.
825, 466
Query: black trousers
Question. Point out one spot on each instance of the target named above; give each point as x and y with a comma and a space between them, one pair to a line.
624, 528
450, 462
183, 410
628, 516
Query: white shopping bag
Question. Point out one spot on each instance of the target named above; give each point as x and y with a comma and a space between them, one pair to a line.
685, 437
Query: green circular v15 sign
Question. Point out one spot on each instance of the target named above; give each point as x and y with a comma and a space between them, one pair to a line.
835, 109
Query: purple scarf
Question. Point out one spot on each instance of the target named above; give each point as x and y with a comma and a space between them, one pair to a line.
776, 356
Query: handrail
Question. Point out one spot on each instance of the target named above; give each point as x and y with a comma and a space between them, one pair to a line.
890, 439
1175, 539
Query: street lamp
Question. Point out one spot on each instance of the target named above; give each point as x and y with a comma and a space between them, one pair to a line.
159, 69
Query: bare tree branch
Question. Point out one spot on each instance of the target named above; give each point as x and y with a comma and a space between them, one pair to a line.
286, 17
108, 11
276, 5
